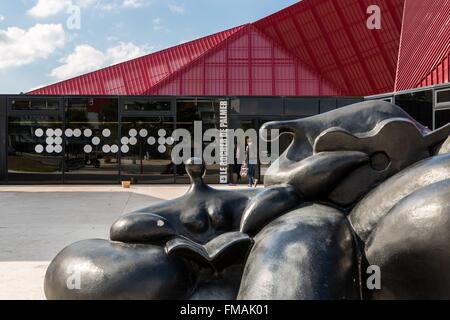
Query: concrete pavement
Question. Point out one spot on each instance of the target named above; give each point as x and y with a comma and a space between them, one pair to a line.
36, 222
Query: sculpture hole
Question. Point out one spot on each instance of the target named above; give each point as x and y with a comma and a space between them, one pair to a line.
380, 161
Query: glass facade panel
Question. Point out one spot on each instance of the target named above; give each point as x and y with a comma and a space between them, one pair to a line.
34, 104
187, 114
208, 113
442, 118
301, 107
92, 140
443, 96
342, 102
146, 148
147, 105
257, 106
246, 123
327, 105
419, 105
34, 149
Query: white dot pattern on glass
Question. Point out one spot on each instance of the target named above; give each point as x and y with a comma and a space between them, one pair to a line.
151, 141
162, 149
58, 132
50, 132
50, 140
133, 141
39, 133
170, 141
55, 141
143, 133
162, 140
96, 141
58, 140
106, 133
87, 133
69, 133
39, 148
87, 148
106, 148
125, 140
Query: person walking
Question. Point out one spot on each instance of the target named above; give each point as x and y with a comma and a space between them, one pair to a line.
251, 160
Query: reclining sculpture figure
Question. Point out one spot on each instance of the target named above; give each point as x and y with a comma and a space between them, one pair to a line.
362, 185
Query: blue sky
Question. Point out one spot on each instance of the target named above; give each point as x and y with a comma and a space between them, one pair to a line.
44, 41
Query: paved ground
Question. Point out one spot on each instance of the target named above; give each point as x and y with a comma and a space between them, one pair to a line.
37, 222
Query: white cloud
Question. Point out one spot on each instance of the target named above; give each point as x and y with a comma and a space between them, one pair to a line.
123, 52
2, 18
86, 58
47, 8
134, 3
20, 47
178, 9
158, 26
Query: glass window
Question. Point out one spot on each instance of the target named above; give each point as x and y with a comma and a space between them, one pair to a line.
147, 105
443, 98
208, 112
419, 105
187, 114
246, 123
327, 105
34, 104
342, 102
301, 107
3, 126
257, 106
92, 140
35, 149
442, 118
146, 148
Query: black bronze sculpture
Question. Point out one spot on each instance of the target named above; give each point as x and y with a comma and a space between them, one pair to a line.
362, 185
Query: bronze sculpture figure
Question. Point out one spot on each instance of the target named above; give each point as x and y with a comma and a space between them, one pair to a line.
362, 185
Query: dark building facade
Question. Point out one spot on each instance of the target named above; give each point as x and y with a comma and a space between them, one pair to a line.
106, 139
312, 57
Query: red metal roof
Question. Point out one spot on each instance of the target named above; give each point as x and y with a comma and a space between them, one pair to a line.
136, 76
332, 37
425, 44
246, 64
312, 48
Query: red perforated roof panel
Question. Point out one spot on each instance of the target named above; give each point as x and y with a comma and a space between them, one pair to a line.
312, 48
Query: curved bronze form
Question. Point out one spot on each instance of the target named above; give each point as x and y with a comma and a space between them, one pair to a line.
362, 185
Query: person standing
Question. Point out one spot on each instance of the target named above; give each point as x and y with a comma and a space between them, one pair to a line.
237, 166
251, 159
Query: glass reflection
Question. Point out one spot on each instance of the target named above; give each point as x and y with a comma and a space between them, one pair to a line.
34, 149
146, 148
92, 147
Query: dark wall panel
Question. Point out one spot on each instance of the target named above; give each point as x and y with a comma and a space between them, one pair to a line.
2, 139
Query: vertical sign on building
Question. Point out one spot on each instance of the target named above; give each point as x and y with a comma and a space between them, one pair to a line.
223, 141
